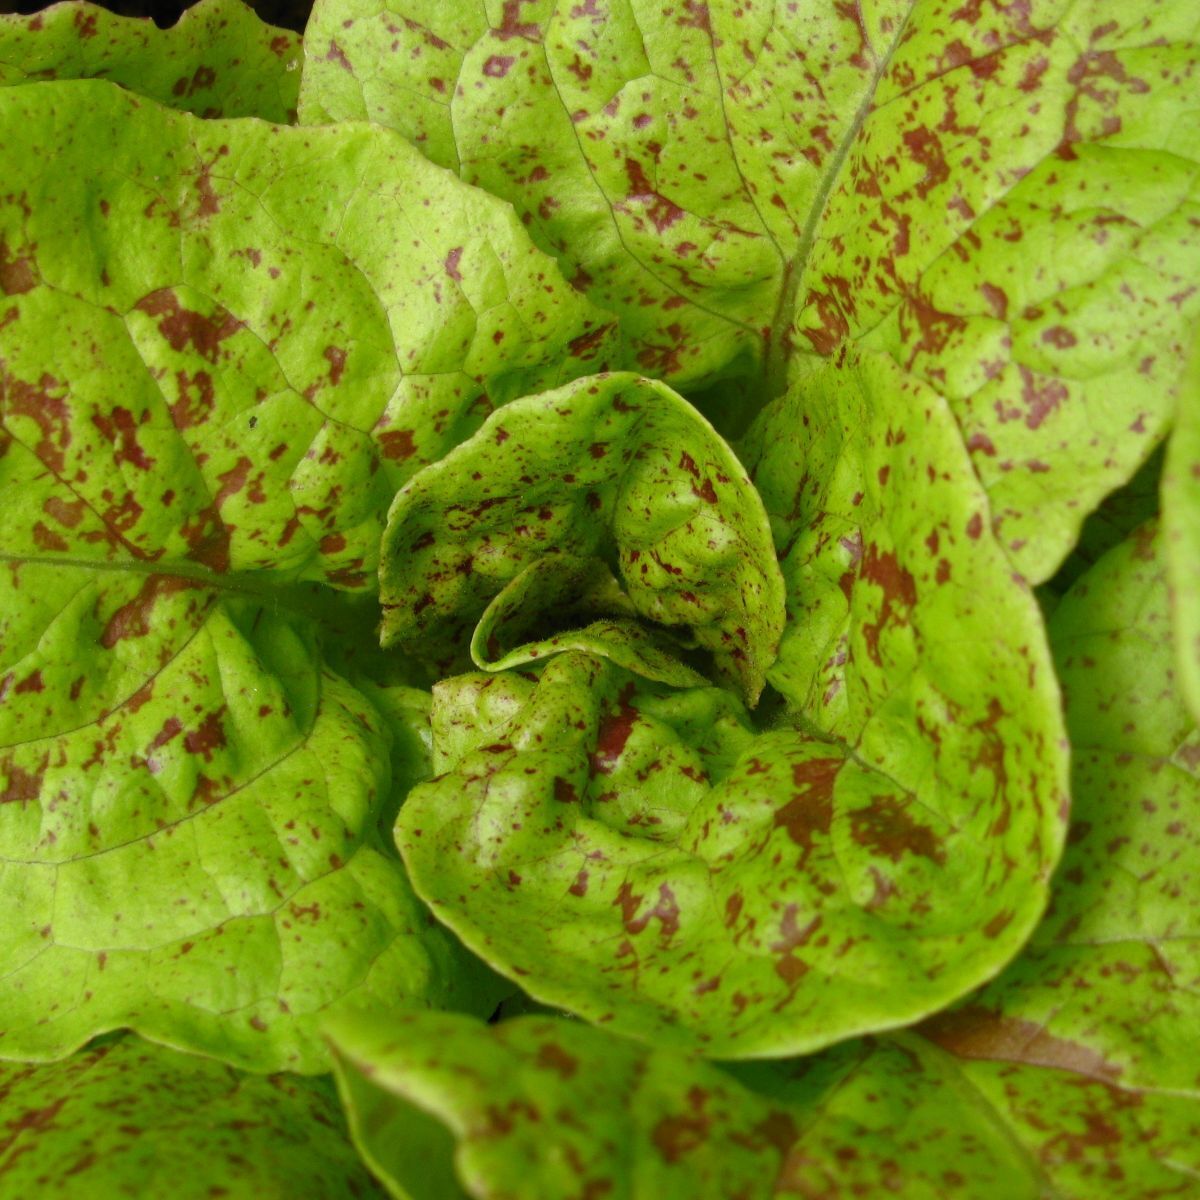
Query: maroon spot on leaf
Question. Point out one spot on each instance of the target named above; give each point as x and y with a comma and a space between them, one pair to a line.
31, 683
512, 26
899, 594
1059, 336
195, 401
997, 299
662, 212
580, 886
133, 618
336, 54
564, 791
1042, 396
45, 403
396, 444
119, 428
975, 1032
16, 271
975, 526
613, 733
44, 538
85, 24
184, 328
705, 492
888, 828
676, 1135
982, 444
585, 345
498, 65
21, 785
807, 815
552, 1057
451, 264
336, 357
207, 737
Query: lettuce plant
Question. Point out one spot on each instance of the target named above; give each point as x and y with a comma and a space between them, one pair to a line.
619, 575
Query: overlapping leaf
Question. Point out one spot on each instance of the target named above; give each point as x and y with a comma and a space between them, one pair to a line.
1069, 1076
672, 156
524, 519
130, 1119
220, 60
974, 188
300, 319
1181, 527
216, 355
623, 856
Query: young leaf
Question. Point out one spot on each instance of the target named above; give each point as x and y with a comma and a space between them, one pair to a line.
309, 316
648, 862
613, 469
974, 189
219, 60
130, 1119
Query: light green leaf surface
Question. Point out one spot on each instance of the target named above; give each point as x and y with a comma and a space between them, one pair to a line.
614, 474
299, 320
1071, 1076
974, 189
1181, 532
189, 795
672, 156
219, 60
127, 1119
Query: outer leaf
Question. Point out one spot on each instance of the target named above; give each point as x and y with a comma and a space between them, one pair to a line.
299, 319
673, 156
610, 469
975, 189
129, 1119
498, 1113
220, 60
1181, 527
189, 798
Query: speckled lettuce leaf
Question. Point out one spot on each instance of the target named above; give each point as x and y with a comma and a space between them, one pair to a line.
1071, 1075
645, 859
190, 788
557, 1109
674, 157
219, 60
1181, 531
299, 320
975, 189
617, 471
128, 1119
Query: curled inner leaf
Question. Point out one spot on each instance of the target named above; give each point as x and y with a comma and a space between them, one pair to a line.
612, 492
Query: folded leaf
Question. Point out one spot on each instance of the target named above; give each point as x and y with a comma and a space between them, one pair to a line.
1181, 530
190, 794
130, 1119
298, 320
974, 189
219, 60
673, 157
1069, 1076
645, 860
609, 470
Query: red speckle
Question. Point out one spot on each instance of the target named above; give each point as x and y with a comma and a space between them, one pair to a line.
498, 65
451, 264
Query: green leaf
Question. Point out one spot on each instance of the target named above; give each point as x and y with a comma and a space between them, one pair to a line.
1068, 1076
309, 317
1181, 530
130, 1119
673, 157
610, 470
219, 60
974, 190
190, 793
645, 860
444, 1108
